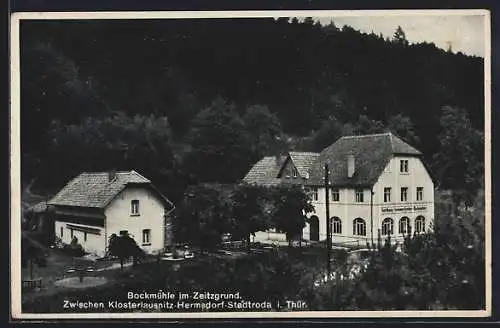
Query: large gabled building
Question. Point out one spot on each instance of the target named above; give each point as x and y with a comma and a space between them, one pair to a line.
378, 185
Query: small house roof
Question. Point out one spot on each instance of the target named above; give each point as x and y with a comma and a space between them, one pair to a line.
265, 171
303, 161
93, 189
38, 207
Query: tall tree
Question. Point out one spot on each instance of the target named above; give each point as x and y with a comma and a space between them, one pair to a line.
264, 129
459, 163
402, 126
400, 36
142, 143
220, 146
366, 125
291, 204
203, 216
249, 211
329, 132
52, 87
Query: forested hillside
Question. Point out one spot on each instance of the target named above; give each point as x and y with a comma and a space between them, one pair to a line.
186, 101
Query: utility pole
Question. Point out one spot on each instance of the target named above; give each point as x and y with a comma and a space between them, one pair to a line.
371, 214
328, 227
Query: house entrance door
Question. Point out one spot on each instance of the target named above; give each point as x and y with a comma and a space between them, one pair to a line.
314, 228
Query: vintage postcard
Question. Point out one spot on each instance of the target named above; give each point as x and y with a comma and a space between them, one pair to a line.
250, 164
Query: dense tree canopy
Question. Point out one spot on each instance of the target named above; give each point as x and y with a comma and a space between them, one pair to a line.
203, 216
265, 133
118, 142
249, 205
291, 204
207, 211
458, 162
220, 146
402, 126
268, 77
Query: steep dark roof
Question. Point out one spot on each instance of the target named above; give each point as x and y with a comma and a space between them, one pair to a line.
95, 190
303, 161
371, 153
265, 171
399, 147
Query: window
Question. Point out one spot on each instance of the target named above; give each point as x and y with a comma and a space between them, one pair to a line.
387, 195
134, 207
403, 166
295, 173
404, 225
335, 195
146, 237
314, 193
71, 233
123, 232
404, 194
359, 227
62, 232
420, 224
359, 196
84, 236
336, 225
420, 193
387, 226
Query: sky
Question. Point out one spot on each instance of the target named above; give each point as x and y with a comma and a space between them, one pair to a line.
465, 33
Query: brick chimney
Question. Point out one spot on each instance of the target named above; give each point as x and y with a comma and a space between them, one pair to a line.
351, 165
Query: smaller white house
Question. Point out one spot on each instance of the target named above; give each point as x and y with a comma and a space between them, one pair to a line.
93, 206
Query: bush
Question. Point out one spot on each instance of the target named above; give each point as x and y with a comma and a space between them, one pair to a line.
125, 247
74, 248
443, 269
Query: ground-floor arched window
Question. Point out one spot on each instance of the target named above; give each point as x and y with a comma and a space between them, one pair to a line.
387, 226
420, 224
404, 225
336, 225
359, 227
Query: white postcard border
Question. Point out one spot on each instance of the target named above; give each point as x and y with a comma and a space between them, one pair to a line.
15, 156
